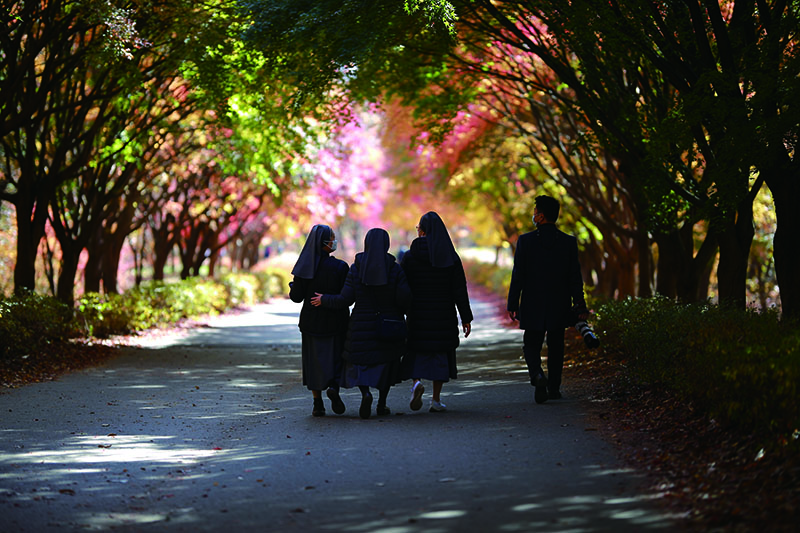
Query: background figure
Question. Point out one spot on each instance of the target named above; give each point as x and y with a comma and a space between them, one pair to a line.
439, 286
546, 283
376, 284
323, 330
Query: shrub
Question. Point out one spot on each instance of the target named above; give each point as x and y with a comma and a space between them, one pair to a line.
32, 322
272, 283
103, 315
158, 303
741, 367
242, 289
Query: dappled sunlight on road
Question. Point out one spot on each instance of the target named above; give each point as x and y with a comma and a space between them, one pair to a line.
203, 436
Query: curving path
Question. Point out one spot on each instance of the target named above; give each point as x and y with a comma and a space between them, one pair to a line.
212, 431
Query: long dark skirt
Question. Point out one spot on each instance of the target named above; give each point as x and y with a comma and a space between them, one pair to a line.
322, 361
380, 376
435, 366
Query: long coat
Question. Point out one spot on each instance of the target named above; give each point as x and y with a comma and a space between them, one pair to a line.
363, 345
432, 321
329, 278
546, 280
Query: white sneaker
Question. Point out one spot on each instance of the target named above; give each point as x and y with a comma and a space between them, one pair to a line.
437, 407
416, 396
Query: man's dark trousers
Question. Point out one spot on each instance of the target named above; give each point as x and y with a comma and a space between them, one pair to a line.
532, 341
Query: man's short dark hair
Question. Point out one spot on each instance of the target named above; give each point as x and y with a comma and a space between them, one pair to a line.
548, 206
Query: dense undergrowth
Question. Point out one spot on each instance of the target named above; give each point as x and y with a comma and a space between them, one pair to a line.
741, 368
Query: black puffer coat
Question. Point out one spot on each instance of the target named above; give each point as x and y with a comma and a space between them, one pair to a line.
432, 322
363, 347
329, 278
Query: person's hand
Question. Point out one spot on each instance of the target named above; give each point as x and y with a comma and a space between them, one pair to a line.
583, 316
467, 328
512, 315
316, 300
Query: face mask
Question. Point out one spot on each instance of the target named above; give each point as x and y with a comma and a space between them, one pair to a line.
333, 244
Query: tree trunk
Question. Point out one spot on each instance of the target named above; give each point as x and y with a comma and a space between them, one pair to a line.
93, 271
70, 255
163, 242
679, 270
671, 263
31, 217
645, 266
734, 251
111, 260
212, 263
786, 252
159, 263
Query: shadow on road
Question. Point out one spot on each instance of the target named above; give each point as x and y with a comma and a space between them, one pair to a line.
212, 434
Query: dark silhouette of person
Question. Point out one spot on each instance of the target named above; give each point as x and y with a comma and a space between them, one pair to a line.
545, 295
377, 286
439, 286
323, 330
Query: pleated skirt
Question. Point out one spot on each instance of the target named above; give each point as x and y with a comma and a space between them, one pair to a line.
380, 376
435, 366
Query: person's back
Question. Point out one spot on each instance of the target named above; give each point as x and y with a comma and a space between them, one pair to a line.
433, 323
549, 259
439, 286
363, 345
545, 291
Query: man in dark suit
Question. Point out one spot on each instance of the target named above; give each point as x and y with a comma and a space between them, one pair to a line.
546, 295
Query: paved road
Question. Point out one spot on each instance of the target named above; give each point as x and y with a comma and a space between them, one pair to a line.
212, 431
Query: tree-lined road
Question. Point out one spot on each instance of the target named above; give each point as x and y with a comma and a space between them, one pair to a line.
212, 430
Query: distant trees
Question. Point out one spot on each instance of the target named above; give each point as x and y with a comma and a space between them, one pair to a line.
90, 95
172, 124
684, 109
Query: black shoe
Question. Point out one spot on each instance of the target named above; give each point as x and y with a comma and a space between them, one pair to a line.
336, 401
554, 395
541, 389
319, 408
382, 410
366, 406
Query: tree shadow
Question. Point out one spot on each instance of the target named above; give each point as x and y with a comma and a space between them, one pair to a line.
205, 438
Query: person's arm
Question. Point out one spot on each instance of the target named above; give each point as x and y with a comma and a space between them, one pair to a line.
515, 287
298, 288
461, 297
576, 284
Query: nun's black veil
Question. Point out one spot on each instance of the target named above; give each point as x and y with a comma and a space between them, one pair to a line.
311, 254
374, 267
440, 248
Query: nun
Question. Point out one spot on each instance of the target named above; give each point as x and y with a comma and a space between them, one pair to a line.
323, 329
439, 286
378, 288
